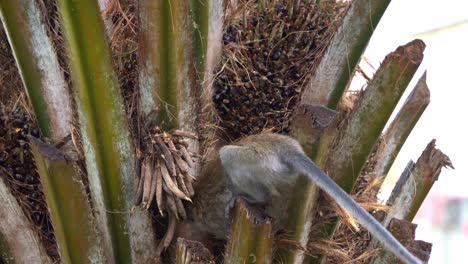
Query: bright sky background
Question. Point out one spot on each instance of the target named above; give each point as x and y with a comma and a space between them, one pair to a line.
444, 29
443, 26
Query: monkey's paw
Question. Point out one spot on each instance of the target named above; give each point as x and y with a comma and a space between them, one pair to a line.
257, 210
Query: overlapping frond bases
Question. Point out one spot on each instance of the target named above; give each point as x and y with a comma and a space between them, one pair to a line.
269, 54
165, 173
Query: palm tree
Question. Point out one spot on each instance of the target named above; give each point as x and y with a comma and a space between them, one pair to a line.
133, 99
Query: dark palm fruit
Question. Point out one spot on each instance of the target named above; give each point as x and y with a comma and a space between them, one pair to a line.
17, 123
29, 179
37, 217
267, 59
35, 132
3, 156
19, 177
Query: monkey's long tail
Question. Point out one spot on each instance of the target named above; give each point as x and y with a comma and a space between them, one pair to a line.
305, 165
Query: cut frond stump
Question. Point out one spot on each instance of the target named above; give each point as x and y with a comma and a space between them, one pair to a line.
251, 238
377, 165
405, 232
387, 148
359, 131
192, 252
408, 196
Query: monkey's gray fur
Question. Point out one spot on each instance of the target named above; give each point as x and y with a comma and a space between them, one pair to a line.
259, 166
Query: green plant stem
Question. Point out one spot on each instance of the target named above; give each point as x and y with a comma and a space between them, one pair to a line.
392, 140
38, 66
248, 242
354, 142
71, 214
19, 241
326, 87
105, 135
408, 199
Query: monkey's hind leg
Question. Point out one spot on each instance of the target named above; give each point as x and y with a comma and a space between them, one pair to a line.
256, 209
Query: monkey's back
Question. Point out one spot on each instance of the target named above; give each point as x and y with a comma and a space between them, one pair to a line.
256, 167
270, 143
253, 167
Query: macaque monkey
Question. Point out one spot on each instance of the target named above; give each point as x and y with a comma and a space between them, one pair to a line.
257, 165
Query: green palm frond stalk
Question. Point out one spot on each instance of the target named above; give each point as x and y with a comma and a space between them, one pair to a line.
45, 84
326, 87
19, 242
387, 149
39, 68
408, 195
200, 15
188, 251
105, 135
250, 239
73, 221
368, 118
167, 74
353, 143
338, 64
407, 198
